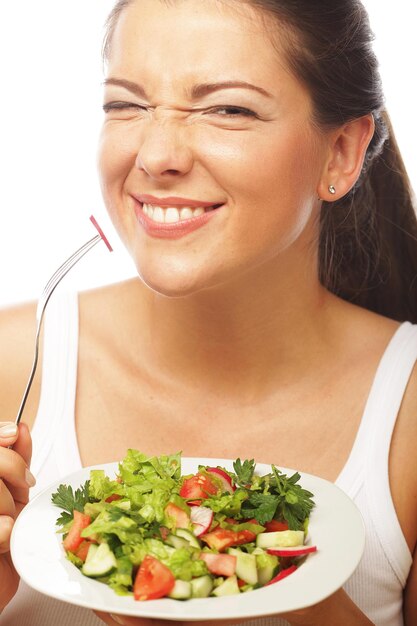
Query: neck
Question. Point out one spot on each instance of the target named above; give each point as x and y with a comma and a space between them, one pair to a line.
238, 339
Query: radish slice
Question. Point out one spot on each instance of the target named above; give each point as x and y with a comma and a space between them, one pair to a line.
294, 551
201, 519
283, 574
100, 232
224, 477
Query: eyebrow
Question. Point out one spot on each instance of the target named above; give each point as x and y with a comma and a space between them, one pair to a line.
197, 91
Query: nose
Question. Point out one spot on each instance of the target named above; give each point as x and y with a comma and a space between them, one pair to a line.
164, 152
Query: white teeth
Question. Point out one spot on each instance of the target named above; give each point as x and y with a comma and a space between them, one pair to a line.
158, 214
170, 215
185, 214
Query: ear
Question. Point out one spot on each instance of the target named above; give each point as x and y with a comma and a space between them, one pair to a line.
347, 149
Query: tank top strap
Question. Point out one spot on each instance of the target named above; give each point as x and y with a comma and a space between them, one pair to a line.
54, 429
368, 463
382, 406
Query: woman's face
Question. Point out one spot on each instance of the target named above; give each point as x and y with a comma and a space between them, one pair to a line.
209, 161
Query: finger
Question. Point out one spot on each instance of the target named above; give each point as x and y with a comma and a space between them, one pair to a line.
8, 434
17, 475
6, 525
7, 504
14, 470
23, 445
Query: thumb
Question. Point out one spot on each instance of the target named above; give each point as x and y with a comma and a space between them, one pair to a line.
8, 434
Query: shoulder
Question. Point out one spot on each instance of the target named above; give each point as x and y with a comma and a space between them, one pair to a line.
403, 462
403, 481
17, 340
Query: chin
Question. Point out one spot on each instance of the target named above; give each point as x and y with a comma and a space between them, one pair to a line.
172, 284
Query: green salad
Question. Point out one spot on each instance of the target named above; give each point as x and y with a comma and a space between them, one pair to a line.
152, 533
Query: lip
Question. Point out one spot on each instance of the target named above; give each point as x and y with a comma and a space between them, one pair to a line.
174, 230
173, 201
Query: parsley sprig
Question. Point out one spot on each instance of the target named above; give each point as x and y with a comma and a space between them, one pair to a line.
244, 472
274, 496
66, 499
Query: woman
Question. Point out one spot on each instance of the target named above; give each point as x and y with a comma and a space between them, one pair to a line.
248, 166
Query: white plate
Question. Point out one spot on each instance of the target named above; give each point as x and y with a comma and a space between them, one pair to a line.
336, 527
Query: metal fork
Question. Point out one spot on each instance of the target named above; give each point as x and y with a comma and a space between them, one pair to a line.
44, 299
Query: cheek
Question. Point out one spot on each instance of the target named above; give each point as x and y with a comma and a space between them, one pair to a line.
115, 159
116, 156
271, 181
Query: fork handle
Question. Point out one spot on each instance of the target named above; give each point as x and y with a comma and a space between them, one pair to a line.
31, 375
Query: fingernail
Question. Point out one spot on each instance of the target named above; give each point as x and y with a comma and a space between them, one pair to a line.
30, 479
8, 429
116, 619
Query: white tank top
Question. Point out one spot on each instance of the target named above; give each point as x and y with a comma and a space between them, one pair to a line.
378, 582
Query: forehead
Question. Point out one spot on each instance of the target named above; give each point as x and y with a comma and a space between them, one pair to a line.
182, 40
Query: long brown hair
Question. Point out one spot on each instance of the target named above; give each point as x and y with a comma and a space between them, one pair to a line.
368, 238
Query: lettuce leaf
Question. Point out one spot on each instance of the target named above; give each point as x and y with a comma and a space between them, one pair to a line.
139, 469
101, 487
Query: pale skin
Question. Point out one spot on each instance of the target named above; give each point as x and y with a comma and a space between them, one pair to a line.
239, 331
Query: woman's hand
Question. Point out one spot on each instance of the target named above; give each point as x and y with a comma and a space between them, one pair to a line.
337, 609
15, 481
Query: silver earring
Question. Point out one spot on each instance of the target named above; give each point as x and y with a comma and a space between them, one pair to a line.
332, 189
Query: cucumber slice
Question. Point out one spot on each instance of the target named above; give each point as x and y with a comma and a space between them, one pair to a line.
188, 536
125, 505
283, 538
201, 587
182, 590
100, 561
265, 574
177, 542
228, 588
266, 564
245, 566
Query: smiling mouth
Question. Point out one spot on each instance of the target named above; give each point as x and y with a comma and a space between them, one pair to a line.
172, 214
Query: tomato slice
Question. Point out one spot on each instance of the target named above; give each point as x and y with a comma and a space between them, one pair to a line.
164, 532
113, 497
83, 549
198, 487
219, 564
274, 525
154, 580
222, 538
179, 517
73, 540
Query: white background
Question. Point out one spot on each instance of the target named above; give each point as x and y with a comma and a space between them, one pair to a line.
50, 118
